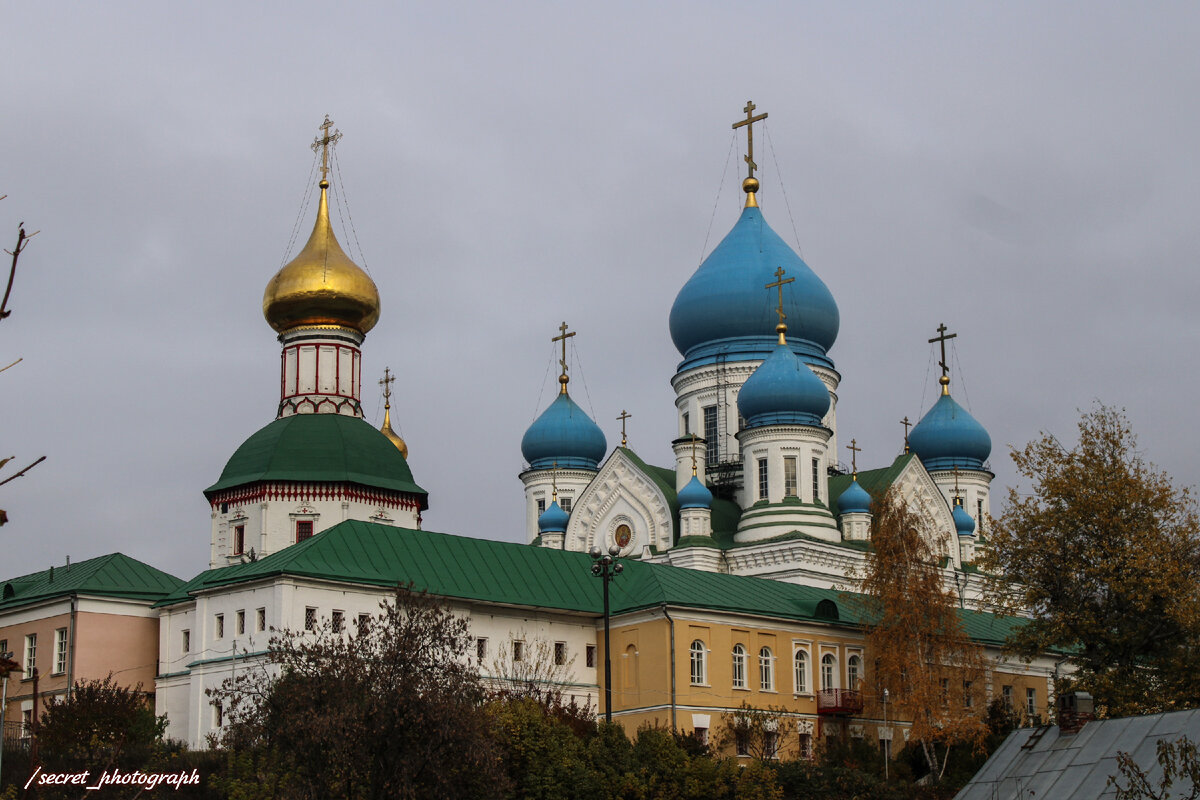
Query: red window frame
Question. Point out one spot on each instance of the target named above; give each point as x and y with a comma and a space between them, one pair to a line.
304, 529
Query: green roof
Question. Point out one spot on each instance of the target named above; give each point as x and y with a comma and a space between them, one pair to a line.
113, 575
875, 481
326, 448
513, 574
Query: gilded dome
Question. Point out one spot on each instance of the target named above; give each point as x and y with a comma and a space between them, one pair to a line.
392, 436
321, 285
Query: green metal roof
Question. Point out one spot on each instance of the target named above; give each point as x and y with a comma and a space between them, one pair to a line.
519, 575
326, 448
113, 575
875, 481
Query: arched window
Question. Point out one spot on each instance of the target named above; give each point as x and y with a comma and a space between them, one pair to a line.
766, 670
828, 671
699, 667
801, 671
853, 672
739, 666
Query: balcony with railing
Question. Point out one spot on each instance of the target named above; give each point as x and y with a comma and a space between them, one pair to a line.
839, 701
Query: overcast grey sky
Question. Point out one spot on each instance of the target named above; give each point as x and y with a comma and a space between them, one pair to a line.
1024, 172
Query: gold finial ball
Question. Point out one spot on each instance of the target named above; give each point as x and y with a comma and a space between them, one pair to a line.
944, 380
750, 185
781, 328
564, 380
324, 184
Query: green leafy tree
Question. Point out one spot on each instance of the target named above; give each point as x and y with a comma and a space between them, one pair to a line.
758, 733
394, 711
922, 657
1104, 552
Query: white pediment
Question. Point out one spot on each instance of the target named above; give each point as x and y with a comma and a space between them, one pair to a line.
620, 494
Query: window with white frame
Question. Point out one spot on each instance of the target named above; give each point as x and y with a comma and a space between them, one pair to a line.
260, 619
800, 668
766, 670
687, 424
60, 651
337, 621
518, 650
240, 621
364, 622
711, 439
239, 539
541, 506
310, 619
219, 626
187, 642
1031, 702
771, 744
806, 745
853, 672
481, 648
560, 654
816, 473
828, 671
789, 476
739, 666
762, 479
1006, 692
697, 654
565, 504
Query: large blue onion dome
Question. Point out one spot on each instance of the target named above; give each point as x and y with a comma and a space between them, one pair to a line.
962, 520
949, 437
722, 311
553, 519
854, 500
565, 435
783, 391
695, 495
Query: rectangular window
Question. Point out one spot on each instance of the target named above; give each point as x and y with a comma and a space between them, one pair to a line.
239, 540
701, 735
4, 649
560, 654
518, 651
589, 656
218, 715
364, 622
338, 621
687, 424
806, 745
945, 691
260, 622
240, 624
565, 504
770, 744
310, 619
1007, 694
481, 649
541, 506
60, 651
219, 626
30, 654
979, 516
711, 439
816, 465
741, 742
762, 479
1031, 703
789, 476
968, 694
187, 641
26, 723
304, 529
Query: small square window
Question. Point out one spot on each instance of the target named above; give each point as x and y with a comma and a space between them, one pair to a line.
260, 622
589, 656
241, 621
560, 654
338, 621
518, 651
481, 649
304, 529
219, 625
187, 641
565, 504
310, 619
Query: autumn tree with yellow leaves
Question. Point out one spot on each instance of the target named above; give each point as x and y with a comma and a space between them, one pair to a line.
1104, 552
930, 669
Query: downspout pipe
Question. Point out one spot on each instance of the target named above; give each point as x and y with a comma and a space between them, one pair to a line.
671, 624
71, 643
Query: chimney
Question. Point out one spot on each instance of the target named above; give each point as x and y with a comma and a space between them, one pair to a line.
1075, 709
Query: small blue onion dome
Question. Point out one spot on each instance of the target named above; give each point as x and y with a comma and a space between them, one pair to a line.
566, 435
854, 500
695, 495
949, 437
783, 391
723, 312
962, 520
553, 519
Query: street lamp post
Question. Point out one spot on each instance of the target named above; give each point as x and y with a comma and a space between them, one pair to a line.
606, 568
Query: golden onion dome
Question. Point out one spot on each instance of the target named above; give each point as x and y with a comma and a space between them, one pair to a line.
387, 431
321, 285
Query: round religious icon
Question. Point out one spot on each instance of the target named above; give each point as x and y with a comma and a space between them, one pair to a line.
622, 536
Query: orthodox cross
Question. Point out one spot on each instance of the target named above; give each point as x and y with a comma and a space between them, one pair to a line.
562, 337
906, 425
779, 284
854, 451
957, 498
748, 123
693, 455
386, 381
942, 337
324, 143
554, 482
624, 416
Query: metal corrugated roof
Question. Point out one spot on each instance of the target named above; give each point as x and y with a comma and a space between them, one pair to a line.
113, 575
1076, 766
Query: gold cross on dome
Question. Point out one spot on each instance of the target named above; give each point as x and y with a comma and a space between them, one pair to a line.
779, 284
854, 451
693, 455
941, 338
323, 143
748, 123
906, 425
386, 382
623, 416
562, 337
